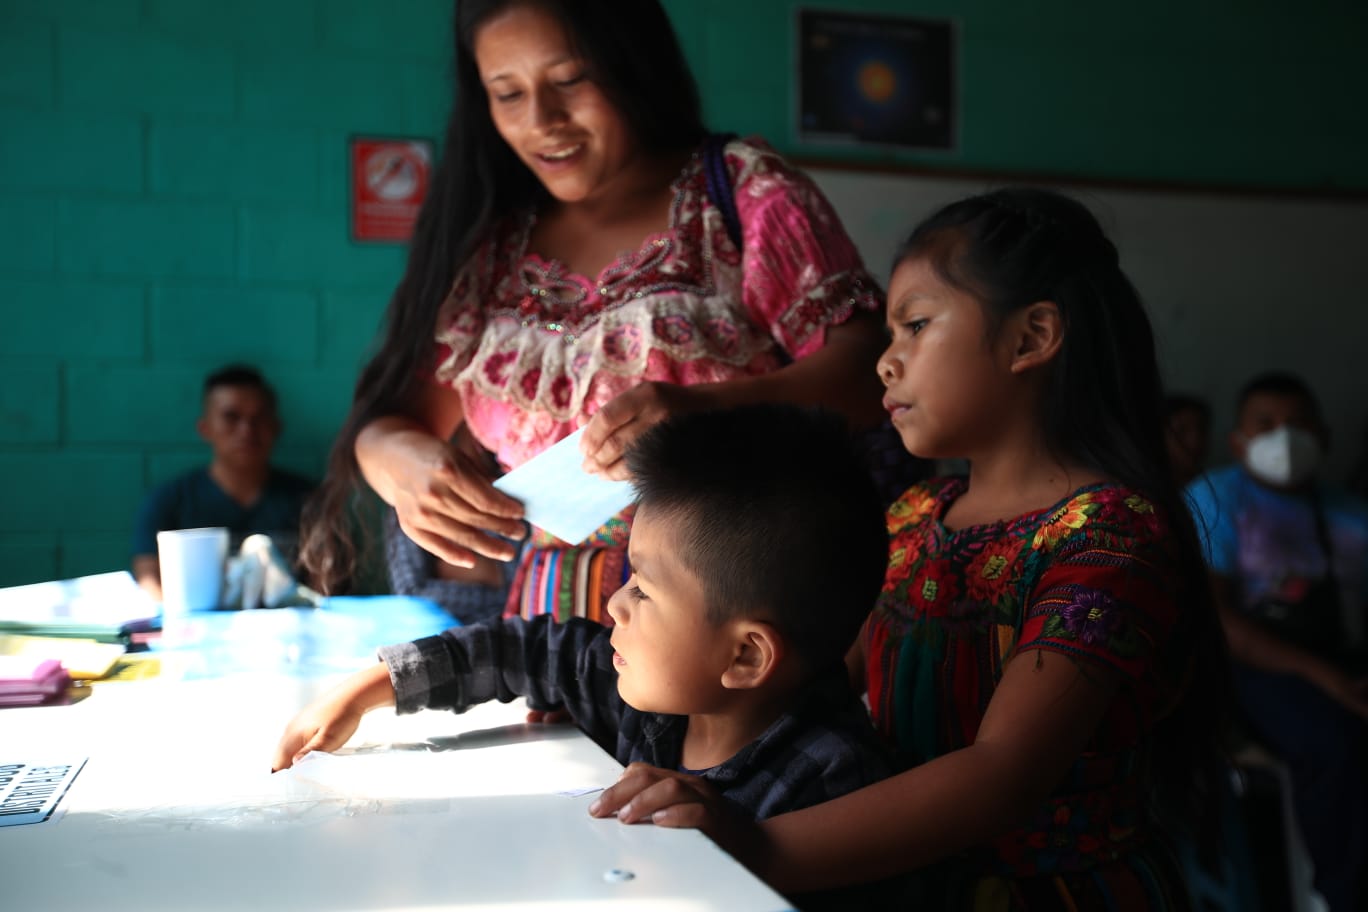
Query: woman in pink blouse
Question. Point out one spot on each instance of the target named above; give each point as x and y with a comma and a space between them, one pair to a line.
572, 267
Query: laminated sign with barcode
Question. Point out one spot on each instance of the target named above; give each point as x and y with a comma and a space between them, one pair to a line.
29, 792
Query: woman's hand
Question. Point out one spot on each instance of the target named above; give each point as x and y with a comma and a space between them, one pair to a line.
327, 723
611, 432
840, 376
442, 492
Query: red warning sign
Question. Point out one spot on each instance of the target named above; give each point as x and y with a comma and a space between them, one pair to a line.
389, 181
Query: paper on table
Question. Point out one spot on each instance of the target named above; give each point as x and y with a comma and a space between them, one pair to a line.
562, 498
105, 606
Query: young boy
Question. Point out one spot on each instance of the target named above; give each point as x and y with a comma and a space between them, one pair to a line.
758, 547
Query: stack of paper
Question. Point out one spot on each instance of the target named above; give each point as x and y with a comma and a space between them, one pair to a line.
29, 682
109, 607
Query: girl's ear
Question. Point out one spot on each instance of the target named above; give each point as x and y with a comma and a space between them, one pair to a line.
756, 655
1039, 335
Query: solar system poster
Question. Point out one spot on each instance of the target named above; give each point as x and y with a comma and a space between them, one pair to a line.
886, 80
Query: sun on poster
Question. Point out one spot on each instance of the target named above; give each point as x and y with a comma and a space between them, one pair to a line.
887, 80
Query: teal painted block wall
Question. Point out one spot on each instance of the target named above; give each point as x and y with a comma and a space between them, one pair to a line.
1212, 92
173, 188
173, 197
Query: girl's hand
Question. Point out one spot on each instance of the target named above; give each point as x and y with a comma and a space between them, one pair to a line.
649, 794
611, 431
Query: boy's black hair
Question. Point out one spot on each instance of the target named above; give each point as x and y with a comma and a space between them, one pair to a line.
1278, 383
776, 514
240, 375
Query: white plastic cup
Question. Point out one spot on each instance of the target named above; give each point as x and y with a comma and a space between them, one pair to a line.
192, 565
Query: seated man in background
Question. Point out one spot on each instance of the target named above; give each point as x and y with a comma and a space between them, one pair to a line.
239, 489
1289, 559
1187, 425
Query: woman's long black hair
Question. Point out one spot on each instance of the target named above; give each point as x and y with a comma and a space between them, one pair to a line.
1103, 409
632, 54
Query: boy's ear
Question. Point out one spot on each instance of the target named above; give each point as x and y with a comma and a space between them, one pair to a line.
1038, 335
757, 652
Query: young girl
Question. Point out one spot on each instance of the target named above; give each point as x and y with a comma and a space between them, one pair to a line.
1044, 653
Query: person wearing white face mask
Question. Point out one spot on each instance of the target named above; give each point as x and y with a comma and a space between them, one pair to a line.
1288, 553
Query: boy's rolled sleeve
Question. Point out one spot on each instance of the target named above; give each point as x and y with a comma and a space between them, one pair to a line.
412, 669
553, 663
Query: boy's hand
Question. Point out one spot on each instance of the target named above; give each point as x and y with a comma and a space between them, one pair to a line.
649, 794
322, 725
327, 723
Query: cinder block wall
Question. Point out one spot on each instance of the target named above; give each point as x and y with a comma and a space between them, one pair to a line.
173, 188
173, 196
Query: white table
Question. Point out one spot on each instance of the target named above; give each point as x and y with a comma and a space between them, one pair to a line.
176, 809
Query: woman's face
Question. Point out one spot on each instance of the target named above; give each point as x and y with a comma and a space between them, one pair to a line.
546, 105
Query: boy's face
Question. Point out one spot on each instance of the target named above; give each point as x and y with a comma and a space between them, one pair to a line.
240, 424
1263, 412
669, 657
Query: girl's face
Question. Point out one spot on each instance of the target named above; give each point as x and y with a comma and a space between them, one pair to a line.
545, 104
946, 377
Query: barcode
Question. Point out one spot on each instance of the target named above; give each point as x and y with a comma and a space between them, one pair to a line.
29, 792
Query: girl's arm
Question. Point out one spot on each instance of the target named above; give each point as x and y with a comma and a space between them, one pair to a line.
795, 255
855, 663
1041, 716
840, 376
444, 500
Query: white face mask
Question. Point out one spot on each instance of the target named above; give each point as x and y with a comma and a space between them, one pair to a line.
1285, 456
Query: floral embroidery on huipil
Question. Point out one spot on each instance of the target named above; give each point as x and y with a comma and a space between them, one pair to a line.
1093, 578
535, 349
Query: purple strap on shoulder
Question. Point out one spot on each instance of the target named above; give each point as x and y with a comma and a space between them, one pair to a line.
719, 183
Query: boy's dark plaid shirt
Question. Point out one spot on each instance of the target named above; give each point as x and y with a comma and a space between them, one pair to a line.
823, 747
